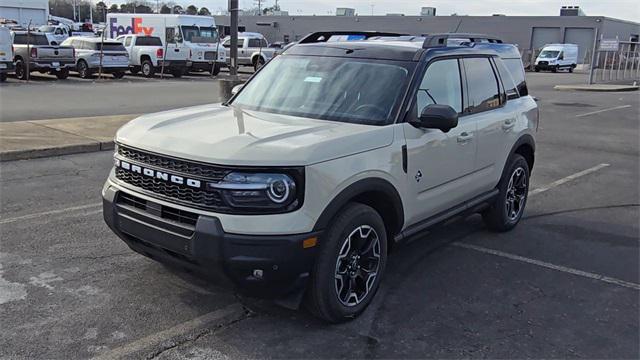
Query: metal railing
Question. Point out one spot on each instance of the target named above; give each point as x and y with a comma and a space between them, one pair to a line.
612, 64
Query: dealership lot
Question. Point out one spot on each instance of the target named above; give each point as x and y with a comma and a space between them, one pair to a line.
564, 283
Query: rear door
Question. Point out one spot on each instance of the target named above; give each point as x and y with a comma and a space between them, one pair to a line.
487, 107
439, 164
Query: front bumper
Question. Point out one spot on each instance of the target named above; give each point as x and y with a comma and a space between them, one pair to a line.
259, 265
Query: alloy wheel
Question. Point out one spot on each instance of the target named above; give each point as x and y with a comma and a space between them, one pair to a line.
357, 265
516, 194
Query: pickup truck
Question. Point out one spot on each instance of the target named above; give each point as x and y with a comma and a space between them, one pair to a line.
33, 53
253, 50
146, 55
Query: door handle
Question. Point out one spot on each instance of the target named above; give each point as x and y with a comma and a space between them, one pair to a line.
465, 137
508, 124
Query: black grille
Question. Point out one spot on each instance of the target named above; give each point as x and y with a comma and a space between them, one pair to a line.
543, 63
210, 172
210, 199
209, 55
166, 212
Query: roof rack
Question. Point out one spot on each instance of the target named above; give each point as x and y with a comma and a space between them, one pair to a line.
323, 36
439, 40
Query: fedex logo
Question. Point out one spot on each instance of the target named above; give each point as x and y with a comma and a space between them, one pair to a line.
135, 28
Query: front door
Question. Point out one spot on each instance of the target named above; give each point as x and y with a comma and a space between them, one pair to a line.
439, 164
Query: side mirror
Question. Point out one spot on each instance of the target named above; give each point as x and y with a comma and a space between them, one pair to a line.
436, 116
177, 38
236, 89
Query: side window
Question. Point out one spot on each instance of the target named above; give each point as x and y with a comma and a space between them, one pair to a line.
226, 43
440, 85
127, 42
482, 84
170, 35
254, 43
263, 43
507, 80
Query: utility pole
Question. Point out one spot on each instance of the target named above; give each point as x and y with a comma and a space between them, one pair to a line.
233, 12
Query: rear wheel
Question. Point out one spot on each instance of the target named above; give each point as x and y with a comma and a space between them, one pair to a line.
177, 72
21, 70
257, 63
62, 74
350, 264
3, 77
506, 211
147, 68
83, 69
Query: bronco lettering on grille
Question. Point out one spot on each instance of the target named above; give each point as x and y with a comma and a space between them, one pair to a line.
175, 179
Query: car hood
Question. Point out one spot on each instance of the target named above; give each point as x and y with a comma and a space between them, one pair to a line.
232, 136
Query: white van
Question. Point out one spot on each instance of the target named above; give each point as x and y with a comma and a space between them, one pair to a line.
6, 53
557, 56
197, 35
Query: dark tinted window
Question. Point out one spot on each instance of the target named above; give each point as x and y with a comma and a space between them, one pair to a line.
507, 80
148, 41
440, 85
482, 84
254, 43
108, 46
517, 73
35, 39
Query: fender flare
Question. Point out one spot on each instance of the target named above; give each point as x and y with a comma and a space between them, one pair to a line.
526, 139
358, 188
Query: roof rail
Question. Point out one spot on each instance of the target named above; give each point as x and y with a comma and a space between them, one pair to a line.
323, 36
439, 40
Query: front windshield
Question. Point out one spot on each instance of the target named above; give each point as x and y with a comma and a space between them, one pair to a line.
549, 54
200, 34
330, 88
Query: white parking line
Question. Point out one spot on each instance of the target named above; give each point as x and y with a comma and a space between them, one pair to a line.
217, 318
567, 179
51, 212
603, 110
547, 265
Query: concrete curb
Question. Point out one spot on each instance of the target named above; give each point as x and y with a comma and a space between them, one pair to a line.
597, 87
56, 137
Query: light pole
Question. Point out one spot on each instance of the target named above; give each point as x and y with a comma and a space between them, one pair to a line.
233, 50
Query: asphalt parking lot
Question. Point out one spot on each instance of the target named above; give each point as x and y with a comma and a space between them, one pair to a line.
564, 284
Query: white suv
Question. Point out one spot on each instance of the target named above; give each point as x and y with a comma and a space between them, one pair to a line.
303, 181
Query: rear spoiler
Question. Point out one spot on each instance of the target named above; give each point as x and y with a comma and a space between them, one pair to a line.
323, 36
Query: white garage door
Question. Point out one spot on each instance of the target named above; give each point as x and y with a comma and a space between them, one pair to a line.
545, 35
583, 37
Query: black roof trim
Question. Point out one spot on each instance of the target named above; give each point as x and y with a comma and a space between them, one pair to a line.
440, 39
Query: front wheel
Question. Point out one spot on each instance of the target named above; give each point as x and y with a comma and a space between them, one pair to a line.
507, 209
349, 266
257, 63
83, 69
3, 77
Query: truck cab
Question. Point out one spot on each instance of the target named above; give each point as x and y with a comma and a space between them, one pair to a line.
6, 53
556, 57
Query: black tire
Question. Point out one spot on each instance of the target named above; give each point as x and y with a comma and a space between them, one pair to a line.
571, 68
502, 216
177, 73
537, 69
21, 70
216, 69
258, 63
327, 297
3, 77
83, 70
118, 74
62, 74
134, 70
555, 68
147, 68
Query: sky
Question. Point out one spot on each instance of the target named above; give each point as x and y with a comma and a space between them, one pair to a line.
620, 9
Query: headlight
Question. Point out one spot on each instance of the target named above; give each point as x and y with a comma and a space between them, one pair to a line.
258, 190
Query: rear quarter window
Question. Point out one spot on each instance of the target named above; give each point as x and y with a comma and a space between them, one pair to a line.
482, 83
516, 69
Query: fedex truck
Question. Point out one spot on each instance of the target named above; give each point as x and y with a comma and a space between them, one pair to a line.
195, 34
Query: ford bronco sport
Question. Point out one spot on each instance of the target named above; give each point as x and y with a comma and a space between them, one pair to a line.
300, 185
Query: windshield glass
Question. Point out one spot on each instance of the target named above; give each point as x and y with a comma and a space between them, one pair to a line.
200, 34
549, 54
330, 88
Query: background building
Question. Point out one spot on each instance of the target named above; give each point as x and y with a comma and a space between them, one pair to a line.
23, 11
530, 33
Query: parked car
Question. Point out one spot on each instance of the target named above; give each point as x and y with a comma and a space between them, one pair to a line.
300, 184
253, 50
94, 54
555, 57
6, 53
33, 53
146, 55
